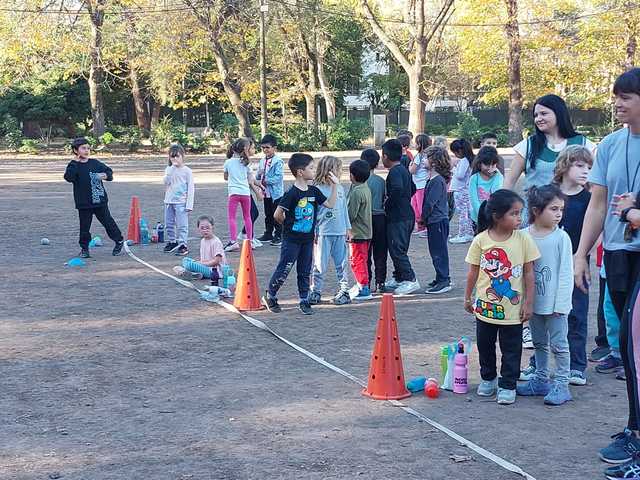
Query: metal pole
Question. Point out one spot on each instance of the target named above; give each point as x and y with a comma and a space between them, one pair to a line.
263, 66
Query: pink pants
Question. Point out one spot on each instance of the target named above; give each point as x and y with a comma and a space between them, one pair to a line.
416, 203
232, 207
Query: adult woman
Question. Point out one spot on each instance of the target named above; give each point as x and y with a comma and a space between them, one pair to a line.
615, 175
536, 155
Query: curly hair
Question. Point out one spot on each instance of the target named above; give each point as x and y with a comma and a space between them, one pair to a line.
439, 161
327, 164
569, 156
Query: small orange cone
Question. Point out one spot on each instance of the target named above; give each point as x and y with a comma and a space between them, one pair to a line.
247, 297
386, 375
133, 233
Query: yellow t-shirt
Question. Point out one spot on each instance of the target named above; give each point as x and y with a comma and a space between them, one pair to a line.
499, 289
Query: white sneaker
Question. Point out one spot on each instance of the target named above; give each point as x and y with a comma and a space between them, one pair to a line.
459, 239
391, 284
242, 236
407, 287
354, 291
255, 243
232, 247
184, 273
526, 338
488, 388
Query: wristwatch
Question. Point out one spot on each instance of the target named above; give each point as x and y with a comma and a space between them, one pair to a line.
624, 213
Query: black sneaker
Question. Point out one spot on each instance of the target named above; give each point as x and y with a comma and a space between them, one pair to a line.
276, 242
629, 470
432, 283
380, 288
599, 353
170, 247
182, 250
117, 249
305, 308
271, 303
624, 446
265, 237
84, 253
442, 287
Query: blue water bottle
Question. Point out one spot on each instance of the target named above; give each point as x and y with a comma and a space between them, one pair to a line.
144, 232
160, 230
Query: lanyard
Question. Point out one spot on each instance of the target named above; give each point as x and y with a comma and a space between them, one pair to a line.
626, 160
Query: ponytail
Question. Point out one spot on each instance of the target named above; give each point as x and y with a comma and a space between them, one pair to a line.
238, 148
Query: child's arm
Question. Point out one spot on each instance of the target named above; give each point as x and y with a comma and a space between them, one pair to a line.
278, 215
191, 190
413, 166
217, 260
71, 172
529, 284
473, 195
564, 293
276, 174
331, 201
461, 170
106, 170
168, 175
472, 279
353, 206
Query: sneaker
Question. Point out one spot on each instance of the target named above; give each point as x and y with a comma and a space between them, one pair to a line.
423, 234
487, 388
576, 377
363, 294
241, 237
170, 247
506, 396
459, 239
265, 237
117, 248
84, 253
526, 338
620, 375
182, 250
407, 287
271, 304
305, 308
314, 298
527, 373
342, 298
354, 291
186, 274
391, 284
598, 354
439, 288
432, 283
379, 288
628, 470
255, 243
558, 395
534, 388
276, 242
232, 247
625, 444
609, 364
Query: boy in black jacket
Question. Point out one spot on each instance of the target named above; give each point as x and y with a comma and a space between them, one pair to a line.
89, 195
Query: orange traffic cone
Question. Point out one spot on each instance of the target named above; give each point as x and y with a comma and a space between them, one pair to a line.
386, 375
133, 233
247, 297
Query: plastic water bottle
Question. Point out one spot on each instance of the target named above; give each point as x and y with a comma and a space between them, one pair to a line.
154, 235
144, 232
460, 371
231, 283
444, 362
431, 388
160, 230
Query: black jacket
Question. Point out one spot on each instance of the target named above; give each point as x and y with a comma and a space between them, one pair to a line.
88, 190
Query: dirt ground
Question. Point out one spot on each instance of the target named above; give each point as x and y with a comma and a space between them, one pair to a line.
112, 371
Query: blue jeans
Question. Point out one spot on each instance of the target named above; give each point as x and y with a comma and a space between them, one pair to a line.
578, 330
176, 221
293, 252
551, 331
439, 250
330, 247
613, 324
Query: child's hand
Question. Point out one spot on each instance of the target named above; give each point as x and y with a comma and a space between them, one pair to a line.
525, 312
421, 222
332, 178
349, 235
188, 210
102, 175
620, 202
259, 194
468, 305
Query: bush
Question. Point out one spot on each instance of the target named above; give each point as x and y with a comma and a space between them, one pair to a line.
227, 128
10, 132
167, 132
468, 127
29, 146
106, 139
343, 134
198, 143
303, 137
131, 137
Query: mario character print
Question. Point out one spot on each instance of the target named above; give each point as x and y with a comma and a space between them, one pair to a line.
495, 263
304, 215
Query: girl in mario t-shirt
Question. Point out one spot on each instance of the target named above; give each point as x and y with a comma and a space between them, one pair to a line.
501, 273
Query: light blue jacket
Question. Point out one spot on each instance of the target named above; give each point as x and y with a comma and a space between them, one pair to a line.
273, 177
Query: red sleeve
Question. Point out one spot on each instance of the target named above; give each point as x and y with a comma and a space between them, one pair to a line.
599, 255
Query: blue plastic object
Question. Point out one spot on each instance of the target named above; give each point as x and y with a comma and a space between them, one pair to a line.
76, 262
95, 242
416, 384
145, 238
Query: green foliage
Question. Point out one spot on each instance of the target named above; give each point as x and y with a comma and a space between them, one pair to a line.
130, 136
227, 127
343, 134
468, 127
29, 146
10, 132
106, 139
167, 132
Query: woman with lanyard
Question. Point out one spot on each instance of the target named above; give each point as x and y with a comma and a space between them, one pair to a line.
615, 181
536, 155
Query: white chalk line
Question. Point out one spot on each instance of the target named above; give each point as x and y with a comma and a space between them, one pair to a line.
263, 326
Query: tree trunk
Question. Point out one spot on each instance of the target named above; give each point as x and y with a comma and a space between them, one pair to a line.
96, 74
142, 117
632, 45
416, 103
515, 80
155, 115
233, 90
327, 92
310, 104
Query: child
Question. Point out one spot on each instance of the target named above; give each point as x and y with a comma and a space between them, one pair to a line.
359, 206
255, 213
490, 139
440, 141
418, 168
485, 179
333, 230
90, 196
461, 148
241, 182
435, 215
400, 218
212, 256
178, 201
271, 176
297, 212
500, 262
407, 156
378, 244
552, 300
571, 172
